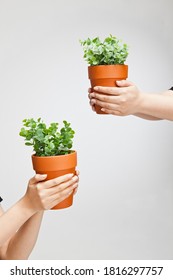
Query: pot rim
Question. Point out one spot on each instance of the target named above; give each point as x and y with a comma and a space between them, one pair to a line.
109, 65
66, 155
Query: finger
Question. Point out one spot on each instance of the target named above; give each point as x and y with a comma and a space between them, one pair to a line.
89, 90
112, 112
75, 187
90, 95
56, 181
108, 90
61, 187
77, 172
93, 108
124, 83
105, 98
70, 189
92, 105
37, 178
57, 198
105, 105
75, 190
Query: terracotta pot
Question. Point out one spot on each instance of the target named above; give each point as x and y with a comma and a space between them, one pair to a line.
55, 166
106, 76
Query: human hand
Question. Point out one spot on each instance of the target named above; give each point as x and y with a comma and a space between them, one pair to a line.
43, 195
121, 101
76, 189
90, 91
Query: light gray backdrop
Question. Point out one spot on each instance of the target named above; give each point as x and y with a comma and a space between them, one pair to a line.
124, 206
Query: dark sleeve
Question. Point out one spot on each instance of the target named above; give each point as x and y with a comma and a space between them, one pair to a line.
171, 88
1, 199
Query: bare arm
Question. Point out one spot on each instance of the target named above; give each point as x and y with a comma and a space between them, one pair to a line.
23, 242
21, 223
156, 106
127, 99
13, 219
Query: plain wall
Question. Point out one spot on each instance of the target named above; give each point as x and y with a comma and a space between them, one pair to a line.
124, 205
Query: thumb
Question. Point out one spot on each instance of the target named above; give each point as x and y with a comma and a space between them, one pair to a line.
124, 83
37, 178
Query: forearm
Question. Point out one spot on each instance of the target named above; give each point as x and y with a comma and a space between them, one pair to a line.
13, 219
146, 117
23, 242
156, 106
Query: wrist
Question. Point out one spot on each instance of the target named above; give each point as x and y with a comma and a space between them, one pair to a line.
141, 102
27, 206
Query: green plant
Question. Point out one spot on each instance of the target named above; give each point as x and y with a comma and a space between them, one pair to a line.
110, 51
47, 141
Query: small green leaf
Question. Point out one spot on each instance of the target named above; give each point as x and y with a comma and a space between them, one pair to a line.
110, 51
47, 141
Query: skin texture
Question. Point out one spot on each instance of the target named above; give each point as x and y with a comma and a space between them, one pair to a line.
126, 99
21, 223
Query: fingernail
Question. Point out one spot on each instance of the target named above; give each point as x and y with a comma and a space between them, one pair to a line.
74, 178
43, 175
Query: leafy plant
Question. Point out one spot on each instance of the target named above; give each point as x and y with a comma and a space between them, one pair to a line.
110, 51
47, 141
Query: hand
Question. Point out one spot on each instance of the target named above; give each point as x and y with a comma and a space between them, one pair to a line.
121, 101
91, 99
43, 195
76, 189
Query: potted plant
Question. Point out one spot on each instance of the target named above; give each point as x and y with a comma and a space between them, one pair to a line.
53, 154
106, 62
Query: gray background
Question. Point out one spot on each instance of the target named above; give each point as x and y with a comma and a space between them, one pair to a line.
124, 206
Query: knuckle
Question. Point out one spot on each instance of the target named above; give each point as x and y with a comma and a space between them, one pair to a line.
75, 186
38, 186
104, 98
110, 90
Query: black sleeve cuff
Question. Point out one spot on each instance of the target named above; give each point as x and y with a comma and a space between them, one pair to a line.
171, 88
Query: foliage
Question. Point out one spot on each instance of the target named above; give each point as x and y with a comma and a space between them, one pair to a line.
110, 51
47, 141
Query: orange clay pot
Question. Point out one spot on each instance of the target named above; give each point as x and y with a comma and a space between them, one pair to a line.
55, 166
106, 76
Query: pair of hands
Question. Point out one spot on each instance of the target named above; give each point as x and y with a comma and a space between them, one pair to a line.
122, 100
43, 195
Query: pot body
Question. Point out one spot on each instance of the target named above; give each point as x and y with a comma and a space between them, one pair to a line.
55, 166
106, 76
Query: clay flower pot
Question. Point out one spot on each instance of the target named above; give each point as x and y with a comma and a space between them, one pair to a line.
106, 76
55, 166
